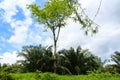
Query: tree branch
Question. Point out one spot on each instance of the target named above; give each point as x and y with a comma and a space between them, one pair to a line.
58, 34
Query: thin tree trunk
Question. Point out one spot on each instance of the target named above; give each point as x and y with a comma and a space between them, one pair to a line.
55, 48
54, 56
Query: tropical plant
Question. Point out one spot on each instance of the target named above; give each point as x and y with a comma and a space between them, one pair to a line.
111, 68
116, 58
78, 61
5, 76
13, 68
36, 58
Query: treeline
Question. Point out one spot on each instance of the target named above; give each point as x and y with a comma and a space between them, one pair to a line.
72, 61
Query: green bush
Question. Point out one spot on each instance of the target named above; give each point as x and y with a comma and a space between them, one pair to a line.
37, 75
44, 76
5, 76
48, 76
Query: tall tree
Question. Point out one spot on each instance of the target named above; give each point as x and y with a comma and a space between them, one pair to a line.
54, 16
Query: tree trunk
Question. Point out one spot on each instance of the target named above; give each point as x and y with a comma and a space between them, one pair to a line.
54, 56
55, 48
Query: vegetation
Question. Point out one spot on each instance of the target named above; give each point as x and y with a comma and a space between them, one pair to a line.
36, 58
116, 59
40, 62
78, 61
5, 76
71, 61
70, 64
51, 76
54, 16
14, 68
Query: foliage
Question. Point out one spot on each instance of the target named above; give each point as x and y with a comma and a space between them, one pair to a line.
5, 76
55, 14
36, 58
70, 61
116, 58
24, 76
37, 75
111, 68
59, 11
93, 76
78, 61
48, 76
14, 68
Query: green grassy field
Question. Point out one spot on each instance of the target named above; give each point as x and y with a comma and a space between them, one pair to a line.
50, 76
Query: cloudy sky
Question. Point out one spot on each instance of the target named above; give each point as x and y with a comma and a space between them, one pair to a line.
18, 29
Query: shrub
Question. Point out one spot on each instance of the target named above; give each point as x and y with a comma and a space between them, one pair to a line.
5, 76
48, 76
44, 76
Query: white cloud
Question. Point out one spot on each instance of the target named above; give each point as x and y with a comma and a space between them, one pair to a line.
9, 58
48, 41
10, 10
34, 38
106, 41
86, 3
20, 27
9, 7
19, 36
20, 32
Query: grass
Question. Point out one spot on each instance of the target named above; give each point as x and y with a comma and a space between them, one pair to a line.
51, 76
24, 76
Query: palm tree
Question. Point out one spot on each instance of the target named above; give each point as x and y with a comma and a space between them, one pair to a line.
78, 61
116, 58
36, 58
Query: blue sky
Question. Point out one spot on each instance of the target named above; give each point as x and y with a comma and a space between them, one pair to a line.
9, 30
17, 29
